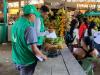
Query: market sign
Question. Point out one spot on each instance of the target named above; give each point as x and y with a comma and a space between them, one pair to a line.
13, 4
13, 11
36, 1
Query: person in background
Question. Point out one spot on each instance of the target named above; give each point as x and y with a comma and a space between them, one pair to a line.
97, 41
72, 26
73, 19
87, 48
82, 28
24, 42
39, 25
89, 37
74, 33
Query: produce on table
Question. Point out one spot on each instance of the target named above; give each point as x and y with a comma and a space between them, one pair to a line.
54, 44
59, 21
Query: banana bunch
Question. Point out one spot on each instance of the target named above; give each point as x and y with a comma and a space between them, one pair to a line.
61, 11
62, 26
97, 21
60, 23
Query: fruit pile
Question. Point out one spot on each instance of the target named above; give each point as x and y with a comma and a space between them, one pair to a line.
59, 22
54, 44
97, 21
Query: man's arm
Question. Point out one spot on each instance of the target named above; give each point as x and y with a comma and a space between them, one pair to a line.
38, 52
31, 39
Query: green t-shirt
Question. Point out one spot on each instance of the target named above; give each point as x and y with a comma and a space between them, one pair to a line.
42, 29
21, 51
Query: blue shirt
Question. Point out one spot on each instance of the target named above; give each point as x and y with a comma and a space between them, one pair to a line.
30, 35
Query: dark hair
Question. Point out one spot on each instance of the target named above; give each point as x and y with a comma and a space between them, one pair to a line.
73, 25
88, 41
91, 26
98, 28
44, 9
85, 20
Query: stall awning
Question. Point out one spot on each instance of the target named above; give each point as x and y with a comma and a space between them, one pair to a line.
92, 13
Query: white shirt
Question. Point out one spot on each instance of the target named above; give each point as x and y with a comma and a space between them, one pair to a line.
76, 35
52, 35
97, 37
37, 25
93, 32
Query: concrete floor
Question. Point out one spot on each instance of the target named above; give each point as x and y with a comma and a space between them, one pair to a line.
7, 68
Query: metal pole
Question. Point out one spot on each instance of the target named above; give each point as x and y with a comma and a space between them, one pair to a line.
96, 6
4, 28
65, 4
5, 11
19, 7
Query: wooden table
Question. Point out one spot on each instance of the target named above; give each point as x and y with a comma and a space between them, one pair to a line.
64, 64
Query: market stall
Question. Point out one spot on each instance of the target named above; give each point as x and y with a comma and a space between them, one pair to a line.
3, 22
14, 10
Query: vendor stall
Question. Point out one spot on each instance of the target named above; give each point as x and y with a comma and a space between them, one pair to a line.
12, 10
3, 23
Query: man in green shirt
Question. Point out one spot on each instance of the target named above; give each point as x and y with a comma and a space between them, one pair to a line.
39, 25
24, 42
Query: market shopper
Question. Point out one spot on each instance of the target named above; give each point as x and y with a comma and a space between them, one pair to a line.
72, 36
89, 39
97, 41
87, 49
75, 32
83, 26
39, 25
24, 40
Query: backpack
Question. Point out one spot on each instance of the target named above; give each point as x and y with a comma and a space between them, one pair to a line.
68, 37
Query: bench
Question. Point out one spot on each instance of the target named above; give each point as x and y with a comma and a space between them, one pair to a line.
64, 64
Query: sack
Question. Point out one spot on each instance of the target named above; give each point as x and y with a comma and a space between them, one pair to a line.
69, 38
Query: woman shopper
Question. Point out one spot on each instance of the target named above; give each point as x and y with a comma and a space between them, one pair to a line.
89, 38
83, 26
91, 52
74, 33
86, 48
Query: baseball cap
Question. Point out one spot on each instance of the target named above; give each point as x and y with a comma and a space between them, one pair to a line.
30, 9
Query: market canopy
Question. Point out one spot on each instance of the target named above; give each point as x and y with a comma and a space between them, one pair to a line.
92, 13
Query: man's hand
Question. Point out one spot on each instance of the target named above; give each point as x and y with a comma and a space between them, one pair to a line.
45, 57
38, 52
